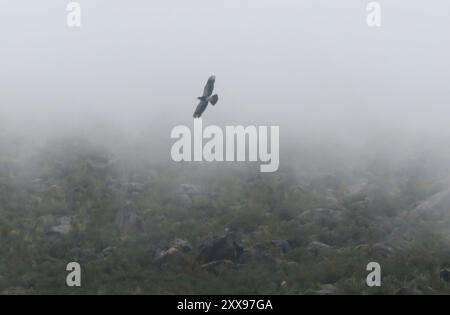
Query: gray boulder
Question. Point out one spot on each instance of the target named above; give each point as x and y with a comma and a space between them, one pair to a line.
316, 247
182, 245
177, 247
64, 227
260, 254
162, 256
282, 245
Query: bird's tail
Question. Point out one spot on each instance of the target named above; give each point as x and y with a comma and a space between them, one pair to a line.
213, 99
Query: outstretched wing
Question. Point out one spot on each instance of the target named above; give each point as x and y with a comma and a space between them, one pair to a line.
209, 87
200, 108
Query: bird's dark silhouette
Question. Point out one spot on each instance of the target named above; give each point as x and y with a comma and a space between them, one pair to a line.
207, 97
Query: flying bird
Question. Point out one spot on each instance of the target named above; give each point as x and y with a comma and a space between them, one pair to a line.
207, 97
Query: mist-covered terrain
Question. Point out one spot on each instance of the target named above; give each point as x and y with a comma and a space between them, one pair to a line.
86, 173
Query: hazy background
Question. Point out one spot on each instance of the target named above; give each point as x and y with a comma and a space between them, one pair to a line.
86, 174
134, 70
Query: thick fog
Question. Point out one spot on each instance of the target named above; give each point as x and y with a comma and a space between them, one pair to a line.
133, 70
88, 176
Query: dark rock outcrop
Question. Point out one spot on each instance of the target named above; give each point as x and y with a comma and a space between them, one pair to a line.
219, 248
260, 254
283, 245
444, 274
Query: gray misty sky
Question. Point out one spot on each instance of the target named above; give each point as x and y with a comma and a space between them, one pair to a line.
310, 66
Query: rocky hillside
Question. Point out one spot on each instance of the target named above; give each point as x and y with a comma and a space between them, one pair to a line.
138, 227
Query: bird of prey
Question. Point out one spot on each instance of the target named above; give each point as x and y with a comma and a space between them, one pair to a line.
207, 97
